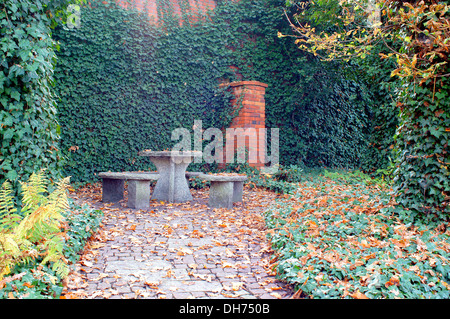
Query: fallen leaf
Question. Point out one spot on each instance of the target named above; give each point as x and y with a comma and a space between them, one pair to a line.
69, 295
97, 245
169, 273
184, 251
227, 265
28, 285
237, 285
87, 263
393, 281
438, 113
101, 276
96, 294
229, 253
356, 264
276, 295
358, 295
297, 294
152, 284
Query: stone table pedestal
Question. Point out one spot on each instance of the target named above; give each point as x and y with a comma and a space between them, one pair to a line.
171, 186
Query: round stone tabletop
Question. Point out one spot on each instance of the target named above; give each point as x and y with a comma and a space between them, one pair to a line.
170, 153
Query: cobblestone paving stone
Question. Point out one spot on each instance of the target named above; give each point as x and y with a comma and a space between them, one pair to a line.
178, 251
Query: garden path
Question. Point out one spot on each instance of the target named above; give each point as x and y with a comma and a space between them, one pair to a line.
177, 251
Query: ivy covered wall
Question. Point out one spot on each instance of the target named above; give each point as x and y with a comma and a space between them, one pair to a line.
28, 130
125, 83
422, 176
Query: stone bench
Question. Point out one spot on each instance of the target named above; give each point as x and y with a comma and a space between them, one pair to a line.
192, 174
225, 189
138, 187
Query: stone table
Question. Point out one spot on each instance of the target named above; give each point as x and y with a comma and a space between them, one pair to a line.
171, 165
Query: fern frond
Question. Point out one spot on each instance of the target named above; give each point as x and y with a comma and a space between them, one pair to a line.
9, 252
6, 201
9, 222
9, 245
33, 192
59, 195
54, 249
4, 269
61, 268
39, 232
30, 226
44, 213
6, 198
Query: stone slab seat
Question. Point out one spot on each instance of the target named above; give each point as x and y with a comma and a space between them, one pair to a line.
138, 187
192, 174
225, 189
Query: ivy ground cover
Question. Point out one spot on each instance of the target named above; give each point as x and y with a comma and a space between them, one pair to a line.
341, 237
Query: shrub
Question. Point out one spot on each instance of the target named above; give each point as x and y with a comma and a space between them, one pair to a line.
291, 173
82, 223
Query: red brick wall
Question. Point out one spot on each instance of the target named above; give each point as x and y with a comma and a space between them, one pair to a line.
150, 6
251, 115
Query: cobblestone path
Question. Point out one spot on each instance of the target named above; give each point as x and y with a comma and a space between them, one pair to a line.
178, 251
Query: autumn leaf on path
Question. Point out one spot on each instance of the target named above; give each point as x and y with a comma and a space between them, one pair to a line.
235, 286
152, 284
276, 295
184, 251
228, 265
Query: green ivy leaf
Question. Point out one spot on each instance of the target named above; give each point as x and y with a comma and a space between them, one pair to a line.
11, 175
15, 95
